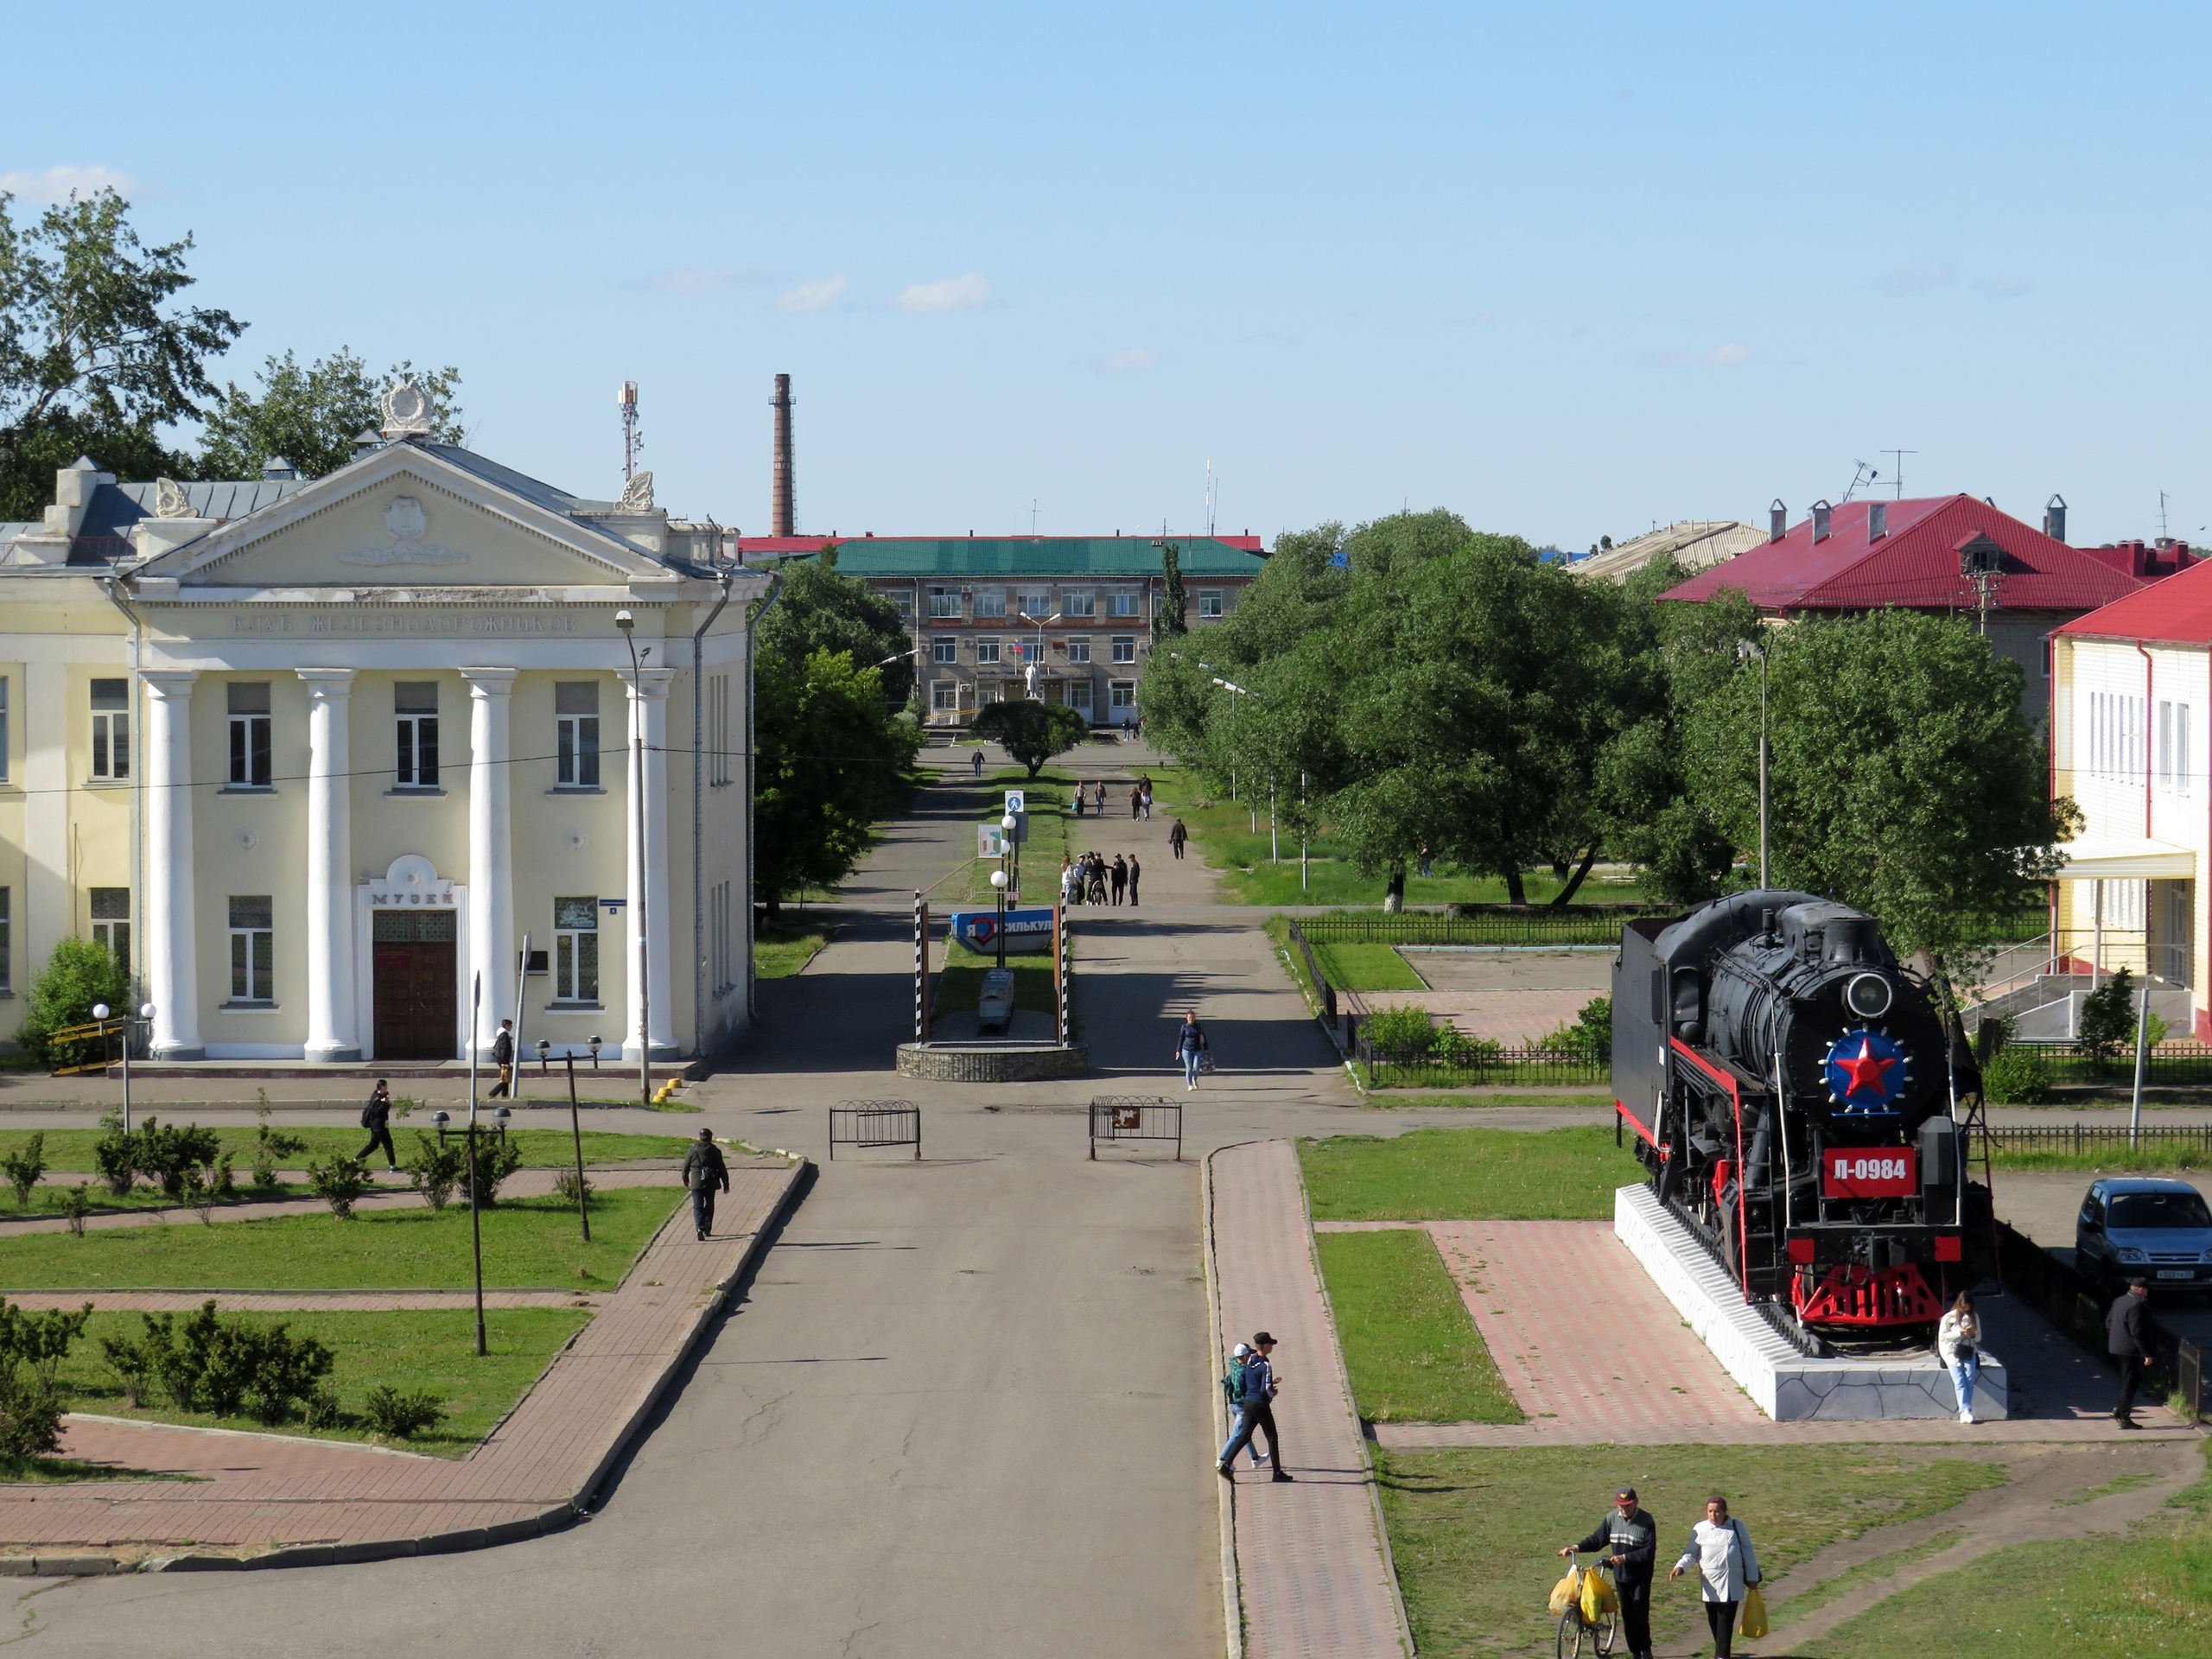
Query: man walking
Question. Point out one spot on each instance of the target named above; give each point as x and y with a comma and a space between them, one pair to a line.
1119, 876
1632, 1538
1135, 870
976, 759
503, 1055
705, 1173
375, 1118
1257, 1399
2127, 1337
1176, 837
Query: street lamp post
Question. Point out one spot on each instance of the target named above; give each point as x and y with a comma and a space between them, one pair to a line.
575, 1130
1746, 650
998, 883
1041, 623
100, 1012
476, 1209
628, 624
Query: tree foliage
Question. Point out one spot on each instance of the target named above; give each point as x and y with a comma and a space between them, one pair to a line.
820, 610
1169, 621
1032, 732
832, 759
310, 416
79, 974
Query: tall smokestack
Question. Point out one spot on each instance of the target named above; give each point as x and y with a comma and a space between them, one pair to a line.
780, 509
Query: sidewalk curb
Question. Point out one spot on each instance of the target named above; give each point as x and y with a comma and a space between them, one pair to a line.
1232, 1595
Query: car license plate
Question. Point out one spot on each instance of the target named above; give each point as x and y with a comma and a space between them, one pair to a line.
2175, 1272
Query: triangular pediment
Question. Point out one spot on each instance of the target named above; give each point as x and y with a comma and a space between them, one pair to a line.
402, 517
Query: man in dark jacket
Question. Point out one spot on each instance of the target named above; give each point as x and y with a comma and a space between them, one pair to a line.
705, 1173
503, 1052
1257, 1402
2128, 1337
1630, 1539
375, 1118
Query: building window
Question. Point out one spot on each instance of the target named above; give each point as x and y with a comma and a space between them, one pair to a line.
1122, 694
1037, 602
944, 601
110, 908
414, 706
2173, 748
990, 601
7, 941
3, 729
575, 734
575, 949
945, 651
1078, 651
905, 602
2048, 647
718, 919
720, 749
1125, 648
1076, 602
1123, 604
986, 651
2116, 735
986, 695
111, 729
1209, 604
253, 975
1079, 696
249, 708
945, 695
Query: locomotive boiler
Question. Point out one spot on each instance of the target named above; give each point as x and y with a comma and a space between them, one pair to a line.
1792, 1089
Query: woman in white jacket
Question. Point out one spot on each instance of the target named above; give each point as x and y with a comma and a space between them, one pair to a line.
1955, 1344
1721, 1551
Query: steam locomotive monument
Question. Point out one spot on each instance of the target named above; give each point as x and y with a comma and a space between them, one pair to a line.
1795, 1094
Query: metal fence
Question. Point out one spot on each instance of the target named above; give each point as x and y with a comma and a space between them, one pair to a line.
1478, 924
1136, 1117
1338, 1027
2167, 1065
2074, 1303
2081, 1138
875, 1123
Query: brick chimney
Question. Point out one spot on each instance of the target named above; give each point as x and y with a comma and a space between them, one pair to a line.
780, 514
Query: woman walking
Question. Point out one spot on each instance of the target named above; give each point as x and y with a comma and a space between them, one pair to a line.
1721, 1551
1098, 798
1191, 1045
1956, 1344
1070, 884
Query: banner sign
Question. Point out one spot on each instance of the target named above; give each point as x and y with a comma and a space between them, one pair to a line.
1028, 931
1864, 1172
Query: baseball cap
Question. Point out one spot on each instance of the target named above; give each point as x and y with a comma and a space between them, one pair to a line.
1261, 1337
1625, 1491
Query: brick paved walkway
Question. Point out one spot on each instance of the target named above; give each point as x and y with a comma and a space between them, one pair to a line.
319, 1501
1311, 1565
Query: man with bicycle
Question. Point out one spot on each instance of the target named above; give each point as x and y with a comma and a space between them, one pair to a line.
1630, 1539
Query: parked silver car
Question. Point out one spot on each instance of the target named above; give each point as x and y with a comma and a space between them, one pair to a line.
2159, 1230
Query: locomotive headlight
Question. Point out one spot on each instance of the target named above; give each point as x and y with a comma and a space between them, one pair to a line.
1869, 996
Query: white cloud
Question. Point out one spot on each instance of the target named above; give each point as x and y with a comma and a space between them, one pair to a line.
60, 183
1136, 358
1727, 357
710, 280
2003, 288
953, 294
1915, 279
812, 296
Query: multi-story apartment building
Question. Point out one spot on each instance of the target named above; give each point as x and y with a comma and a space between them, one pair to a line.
1065, 617
315, 759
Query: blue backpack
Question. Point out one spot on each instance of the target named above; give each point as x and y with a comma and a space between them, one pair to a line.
1232, 1382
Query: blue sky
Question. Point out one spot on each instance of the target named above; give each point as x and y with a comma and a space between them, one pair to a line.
1566, 271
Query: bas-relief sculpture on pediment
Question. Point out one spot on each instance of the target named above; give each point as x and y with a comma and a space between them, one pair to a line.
405, 522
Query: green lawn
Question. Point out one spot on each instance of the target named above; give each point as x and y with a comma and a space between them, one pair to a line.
2106, 1597
961, 981
434, 1352
780, 953
1353, 967
1475, 1531
528, 1244
1411, 1350
2111, 1158
46, 1201
1503, 1097
1051, 831
70, 1151
1466, 1175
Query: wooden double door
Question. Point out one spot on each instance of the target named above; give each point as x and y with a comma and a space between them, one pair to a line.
416, 1002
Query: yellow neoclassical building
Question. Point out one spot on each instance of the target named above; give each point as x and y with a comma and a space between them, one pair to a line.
317, 757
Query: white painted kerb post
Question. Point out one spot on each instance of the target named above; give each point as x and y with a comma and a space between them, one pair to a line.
648, 884
172, 971
331, 1036
491, 846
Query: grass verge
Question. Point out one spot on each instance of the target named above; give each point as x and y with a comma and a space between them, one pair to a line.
1475, 1530
788, 949
2111, 1158
432, 1351
961, 984
1503, 1097
528, 1243
1466, 1175
1411, 1350
2148, 1591
1355, 966
70, 1151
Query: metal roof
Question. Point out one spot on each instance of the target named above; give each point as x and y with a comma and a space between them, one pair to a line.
115, 507
1016, 556
1915, 565
531, 489
2179, 609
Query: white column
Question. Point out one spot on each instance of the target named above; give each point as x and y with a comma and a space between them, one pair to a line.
648, 889
172, 969
333, 1034
490, 852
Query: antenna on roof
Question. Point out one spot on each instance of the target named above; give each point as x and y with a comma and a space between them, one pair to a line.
1897, 472
1209, 497
1862, 473
627, 400
2162, 518
1032, 515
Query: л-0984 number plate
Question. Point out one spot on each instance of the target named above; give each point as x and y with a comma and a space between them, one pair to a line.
1869, 1172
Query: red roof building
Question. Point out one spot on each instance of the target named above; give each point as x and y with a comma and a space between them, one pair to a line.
1951, 553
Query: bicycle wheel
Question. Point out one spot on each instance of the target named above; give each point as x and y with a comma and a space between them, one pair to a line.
1570, 1634
1606, 1631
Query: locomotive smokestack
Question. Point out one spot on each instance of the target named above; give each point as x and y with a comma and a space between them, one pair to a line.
780, 515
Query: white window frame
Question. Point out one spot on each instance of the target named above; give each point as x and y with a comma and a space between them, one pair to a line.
253, 952
1125, 647
4, 739
945, 649
7, 940
573, 981
250, 732
1210, 602
1079, 696
944, 601
944, 696
1122, 601
990, 602
111, 929
1077, 601
1122, 694
575, 742
1079, 649
986, 651
412, 726
112, 735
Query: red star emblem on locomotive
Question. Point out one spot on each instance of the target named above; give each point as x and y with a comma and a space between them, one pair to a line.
1866, 1068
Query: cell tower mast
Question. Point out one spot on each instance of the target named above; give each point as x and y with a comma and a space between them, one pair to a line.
627, 398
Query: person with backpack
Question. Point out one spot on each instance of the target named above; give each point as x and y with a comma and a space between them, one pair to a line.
1232, 1385
1255, 1395
375, 1118
1631, 1538
1721, 1551
705, 1173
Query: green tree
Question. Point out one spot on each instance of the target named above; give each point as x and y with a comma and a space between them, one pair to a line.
79, 975
95, 355
819, 610
832, 758
1169, 621
1032, 732
310, 416
1903, 778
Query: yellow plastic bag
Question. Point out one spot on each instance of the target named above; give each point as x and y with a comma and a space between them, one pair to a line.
1598, 1597
1568, 1591
1751, 1624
